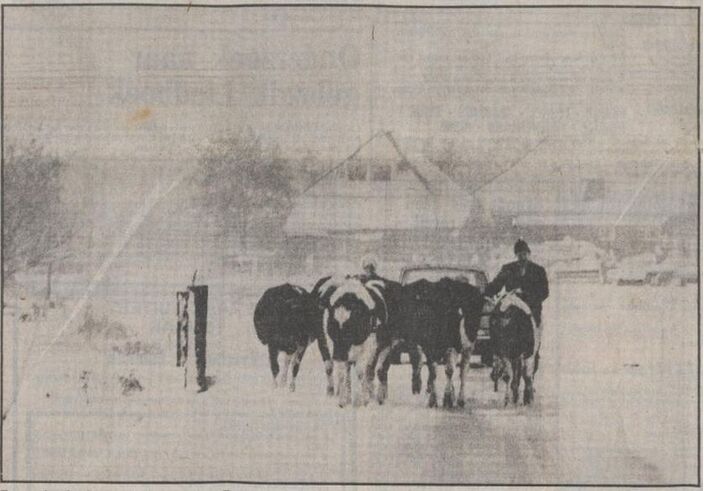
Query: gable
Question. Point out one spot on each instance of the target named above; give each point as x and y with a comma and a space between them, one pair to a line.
378, 188
379, 166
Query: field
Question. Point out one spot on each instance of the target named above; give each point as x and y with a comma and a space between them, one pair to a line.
616, 398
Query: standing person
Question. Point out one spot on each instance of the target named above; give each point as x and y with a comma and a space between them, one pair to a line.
369, 269
527, 278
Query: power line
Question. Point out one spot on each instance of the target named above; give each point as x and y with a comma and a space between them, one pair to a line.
515, 164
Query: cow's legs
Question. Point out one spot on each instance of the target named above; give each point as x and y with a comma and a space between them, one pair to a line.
432, 374
297, 358
415, 356
340, 379
362, 371
504, 372
344, 383
274, 362
371, 369
538, 334
283, 376
536, 363
464, 365
428, 388
516, 372
369, 376
325, 354
528, 372
348, 383
382, 370
450, 362
365, 359
466, 354
496, 372
330, 390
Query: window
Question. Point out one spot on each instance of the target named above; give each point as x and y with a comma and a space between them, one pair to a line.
594, 189
356, 171
367, 171
381, 173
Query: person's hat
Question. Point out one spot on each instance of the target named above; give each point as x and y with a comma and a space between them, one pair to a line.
369, 262
520, 246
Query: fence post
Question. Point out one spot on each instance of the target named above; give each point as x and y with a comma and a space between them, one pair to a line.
190, 343
181, 328
200, 325
182, 332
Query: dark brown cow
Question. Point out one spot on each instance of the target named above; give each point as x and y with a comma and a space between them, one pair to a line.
287, 319
442, 318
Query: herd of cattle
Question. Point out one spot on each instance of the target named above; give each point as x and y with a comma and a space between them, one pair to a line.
368, 319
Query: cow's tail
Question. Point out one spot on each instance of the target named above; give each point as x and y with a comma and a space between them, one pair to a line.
381, 309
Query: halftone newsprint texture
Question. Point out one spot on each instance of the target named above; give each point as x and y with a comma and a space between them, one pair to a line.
363, 244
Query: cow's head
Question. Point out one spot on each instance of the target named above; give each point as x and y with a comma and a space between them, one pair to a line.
506, 305
511, 308
512, 299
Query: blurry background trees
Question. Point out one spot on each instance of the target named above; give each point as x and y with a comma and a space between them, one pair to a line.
466, 169
245, 185
37, 226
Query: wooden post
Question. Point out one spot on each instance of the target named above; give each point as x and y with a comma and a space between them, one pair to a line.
198, 352
181, 328
190, 346
48, 281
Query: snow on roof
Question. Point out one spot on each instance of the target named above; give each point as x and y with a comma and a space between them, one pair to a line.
643, 192
379, 188
594, 220
324, 215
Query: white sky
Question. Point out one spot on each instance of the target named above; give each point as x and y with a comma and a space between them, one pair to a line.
590, 80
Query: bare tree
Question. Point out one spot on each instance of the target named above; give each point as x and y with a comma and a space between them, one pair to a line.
36, 224
241, 182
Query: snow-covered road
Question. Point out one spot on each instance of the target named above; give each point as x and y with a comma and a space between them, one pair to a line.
616, 402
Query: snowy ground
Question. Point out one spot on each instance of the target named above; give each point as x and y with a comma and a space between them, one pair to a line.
616, 403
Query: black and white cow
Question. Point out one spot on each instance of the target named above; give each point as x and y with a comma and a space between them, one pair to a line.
515, 339
287, 319
356, 317
442, 318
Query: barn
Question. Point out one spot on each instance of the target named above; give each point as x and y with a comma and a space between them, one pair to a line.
379, 200
625, 205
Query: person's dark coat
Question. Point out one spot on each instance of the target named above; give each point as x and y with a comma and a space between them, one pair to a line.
533, 283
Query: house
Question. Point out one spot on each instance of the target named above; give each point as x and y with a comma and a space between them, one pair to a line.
381, 197
628, 204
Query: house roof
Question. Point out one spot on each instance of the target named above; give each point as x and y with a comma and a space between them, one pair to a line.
414, 194
645, 192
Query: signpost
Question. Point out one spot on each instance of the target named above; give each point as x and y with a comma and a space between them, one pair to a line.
191, 342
